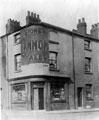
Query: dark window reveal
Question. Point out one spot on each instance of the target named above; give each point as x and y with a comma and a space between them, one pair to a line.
88, 65
88, 92
57, 91
87, 45
53, 60
18, 62
17, 38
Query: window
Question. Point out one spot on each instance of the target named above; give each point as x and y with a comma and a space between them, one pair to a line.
17, 38
18, 62
87, 45
88, 92
57, 91
18, 93
53, 60
88, 64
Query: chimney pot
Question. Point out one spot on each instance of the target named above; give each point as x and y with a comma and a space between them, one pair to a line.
31, 14
34, 15
38, 17
28, 13
83, 20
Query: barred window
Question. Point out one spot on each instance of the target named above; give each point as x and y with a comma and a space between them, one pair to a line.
18, 62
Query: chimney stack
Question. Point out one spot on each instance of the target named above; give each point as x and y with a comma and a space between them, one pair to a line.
12, 26
82, 26
32, 18
95, 30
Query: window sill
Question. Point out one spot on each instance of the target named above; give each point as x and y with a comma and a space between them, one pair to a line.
87, 49
53, 69
58, 101
90, 100
16, 44
53, 42
18, 71
19, 102
89, 73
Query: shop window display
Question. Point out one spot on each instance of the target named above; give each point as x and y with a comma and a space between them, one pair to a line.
57, 91
18, 93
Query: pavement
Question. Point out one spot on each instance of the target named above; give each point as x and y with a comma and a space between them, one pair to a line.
83, 114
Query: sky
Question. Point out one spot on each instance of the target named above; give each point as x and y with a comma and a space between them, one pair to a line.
62, 13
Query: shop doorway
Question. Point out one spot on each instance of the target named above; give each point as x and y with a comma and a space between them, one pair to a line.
80, 96
37, 101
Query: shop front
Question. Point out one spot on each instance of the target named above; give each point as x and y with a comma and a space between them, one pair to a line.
40, 95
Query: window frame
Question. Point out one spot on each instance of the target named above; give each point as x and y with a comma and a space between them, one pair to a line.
17, 39
87, 45
18, 94
16, 63
57, 91
89, 91
53, 68
88, 65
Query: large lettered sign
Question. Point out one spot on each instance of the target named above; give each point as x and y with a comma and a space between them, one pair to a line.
34, 45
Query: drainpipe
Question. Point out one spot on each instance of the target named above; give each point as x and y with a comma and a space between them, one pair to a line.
73, 55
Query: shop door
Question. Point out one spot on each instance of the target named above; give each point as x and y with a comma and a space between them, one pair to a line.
37, 99
79, 95
41, 98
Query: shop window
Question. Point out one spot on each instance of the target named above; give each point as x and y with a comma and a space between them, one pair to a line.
53, 60
88, 65
18, 62
87, 45
17, 38
57, 91
88, 92
18, 93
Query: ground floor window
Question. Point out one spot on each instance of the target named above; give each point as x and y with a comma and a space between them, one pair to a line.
88, 92
18, 93
57, 91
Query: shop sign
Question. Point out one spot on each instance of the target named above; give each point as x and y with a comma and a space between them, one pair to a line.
34, 45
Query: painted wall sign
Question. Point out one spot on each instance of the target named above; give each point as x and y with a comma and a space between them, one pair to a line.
34, 45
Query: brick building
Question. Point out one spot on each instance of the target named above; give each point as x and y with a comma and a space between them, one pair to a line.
45, 67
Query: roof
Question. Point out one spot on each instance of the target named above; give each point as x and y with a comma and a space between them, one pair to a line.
47, 25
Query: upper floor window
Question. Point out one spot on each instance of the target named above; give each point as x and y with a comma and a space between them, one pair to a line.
89, 95
88, 64
17, 38
87, 45
53, 60
18, 62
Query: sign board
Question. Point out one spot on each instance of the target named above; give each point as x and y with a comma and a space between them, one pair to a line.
34, 45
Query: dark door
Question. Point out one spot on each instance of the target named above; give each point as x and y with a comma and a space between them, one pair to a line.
79, 94
41, 98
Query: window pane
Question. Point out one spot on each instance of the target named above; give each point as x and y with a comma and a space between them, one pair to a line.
87, 64
18, 93
57, 91
88, 91
52, 56
87, 44
17, 38
18, 62
53, 60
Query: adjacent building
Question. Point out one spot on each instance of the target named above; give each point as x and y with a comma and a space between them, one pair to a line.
45, 67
